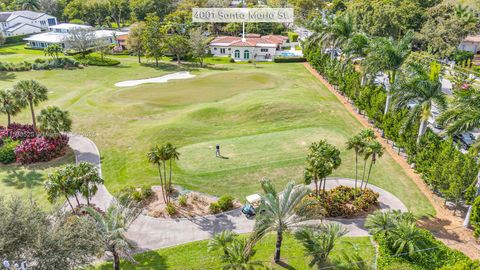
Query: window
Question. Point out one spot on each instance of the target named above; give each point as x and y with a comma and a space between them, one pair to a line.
237, 54
264, 50
246, 54
215, 48
222, 50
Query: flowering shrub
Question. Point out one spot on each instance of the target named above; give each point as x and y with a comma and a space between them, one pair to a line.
40, 149
17, 132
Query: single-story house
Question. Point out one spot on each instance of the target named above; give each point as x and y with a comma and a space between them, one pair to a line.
58, 34
24, 22
121, 44
262, 48
471, 44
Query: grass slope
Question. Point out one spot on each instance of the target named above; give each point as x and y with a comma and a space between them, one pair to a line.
195, 255
263, 118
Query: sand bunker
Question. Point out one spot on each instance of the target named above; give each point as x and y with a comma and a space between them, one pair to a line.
162, 79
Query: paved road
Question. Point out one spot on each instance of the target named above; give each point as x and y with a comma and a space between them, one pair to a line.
154, 233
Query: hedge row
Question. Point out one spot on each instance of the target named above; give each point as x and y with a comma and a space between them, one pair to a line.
39, 64
295, 59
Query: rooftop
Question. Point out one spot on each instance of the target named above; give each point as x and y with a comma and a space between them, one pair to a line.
10, 15
251, 40
53, 37
69, 26
474, 39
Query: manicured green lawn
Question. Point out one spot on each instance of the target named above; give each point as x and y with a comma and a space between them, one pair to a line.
18, 53
263, 118
27, 181
195, 255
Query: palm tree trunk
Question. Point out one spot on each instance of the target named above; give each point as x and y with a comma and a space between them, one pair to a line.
116, 261
278, 246
167, 188
161, 182
356, 174
34, 122
364, 169
466, 222
369, 170
8, 119
170, 177
421, 130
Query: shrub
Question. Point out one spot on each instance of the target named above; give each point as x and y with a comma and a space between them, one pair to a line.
7, 151
95, 60
293, 59
214, 208
129, 193
232, 60
225, 202
367, 199
39, 64
182, 200
17, 132
40, 149
15, 39
311, 207
147, 192
171, 210
292, 36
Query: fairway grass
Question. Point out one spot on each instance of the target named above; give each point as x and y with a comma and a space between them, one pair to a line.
195, 255
264, 118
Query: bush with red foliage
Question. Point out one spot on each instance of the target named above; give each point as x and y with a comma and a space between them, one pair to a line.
40, 149
17, 132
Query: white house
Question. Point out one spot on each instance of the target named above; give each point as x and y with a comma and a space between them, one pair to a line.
471, 44
58, 34
263, 48
24, 22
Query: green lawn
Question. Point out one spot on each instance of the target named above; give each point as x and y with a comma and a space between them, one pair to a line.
18, 53
263, 118
195, 255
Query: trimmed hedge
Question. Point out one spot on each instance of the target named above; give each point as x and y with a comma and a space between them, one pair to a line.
7, 151
95, 60
296, 59
39, 64
15, 39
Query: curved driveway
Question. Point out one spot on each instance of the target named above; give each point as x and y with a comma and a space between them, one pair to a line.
154, 233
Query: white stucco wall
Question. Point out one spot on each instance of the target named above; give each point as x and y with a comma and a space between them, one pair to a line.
470, 46
23, 30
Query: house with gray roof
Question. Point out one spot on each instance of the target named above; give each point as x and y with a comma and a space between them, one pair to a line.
24, 22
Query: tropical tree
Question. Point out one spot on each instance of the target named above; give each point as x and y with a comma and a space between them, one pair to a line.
87, 178
111, 228
60, 185
319, 243
152, 38
388, 55
277, 211
135, 40
29, 4
357, 144
8, 104
52, 121
463, 115
160, 155
177, 45
406, 238
383, 222
199, 43
375, 150
368, 137
221, 240
31, 93
322, 159
53, 50
424, 89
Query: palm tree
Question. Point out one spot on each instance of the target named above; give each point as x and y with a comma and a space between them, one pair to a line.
319, 244
159, 155
173, 154
463, 115
8, 104
388, 55
29, 4
59, 185
53, 51
277, 211
52, 121
424, 89
357, 144
156, 157
30, 92
239, 256
86, 175
375, 151
367, 136
383, 222
406, 236
111, 228
221, 240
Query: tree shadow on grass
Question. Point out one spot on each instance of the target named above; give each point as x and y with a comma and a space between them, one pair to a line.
23, 179
147, 260
7, 76
163, 66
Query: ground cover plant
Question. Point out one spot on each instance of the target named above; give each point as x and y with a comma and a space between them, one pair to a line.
241, 108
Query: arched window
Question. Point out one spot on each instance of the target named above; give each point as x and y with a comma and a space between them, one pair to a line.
246, 54
237, 54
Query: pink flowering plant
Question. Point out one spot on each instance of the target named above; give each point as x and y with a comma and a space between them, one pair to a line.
17, 132
40, 149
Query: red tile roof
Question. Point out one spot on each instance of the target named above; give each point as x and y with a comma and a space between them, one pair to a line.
268, 41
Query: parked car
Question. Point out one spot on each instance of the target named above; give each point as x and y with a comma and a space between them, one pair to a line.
465, 140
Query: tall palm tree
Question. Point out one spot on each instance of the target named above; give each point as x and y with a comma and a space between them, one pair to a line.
388, 55
463, 115
156, 156
342, 30
375, 151
173, 154
406, 238
357, 144
319, 243
31, 93
424, 89
52, 121
277, 211
111, 228
8, 104
368, 137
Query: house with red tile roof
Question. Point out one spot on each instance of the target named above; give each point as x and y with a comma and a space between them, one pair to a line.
262, 48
